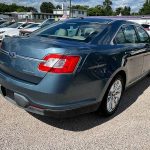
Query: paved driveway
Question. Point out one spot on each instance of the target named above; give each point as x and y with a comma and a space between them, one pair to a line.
129, 129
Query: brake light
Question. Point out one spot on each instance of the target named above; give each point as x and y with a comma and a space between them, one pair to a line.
56, 63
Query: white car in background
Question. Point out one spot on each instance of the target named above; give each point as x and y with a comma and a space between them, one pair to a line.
47, 22
144, 23
29, 29
12, 30
6, 24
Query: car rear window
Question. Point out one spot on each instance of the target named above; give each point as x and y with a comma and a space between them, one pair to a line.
15, 25
6, 24
31, 26
72, 30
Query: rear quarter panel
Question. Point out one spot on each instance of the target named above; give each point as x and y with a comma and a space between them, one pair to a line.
100, 65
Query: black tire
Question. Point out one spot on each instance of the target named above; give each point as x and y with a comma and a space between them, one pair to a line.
103, 107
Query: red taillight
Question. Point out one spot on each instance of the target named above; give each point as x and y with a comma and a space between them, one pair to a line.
56, 63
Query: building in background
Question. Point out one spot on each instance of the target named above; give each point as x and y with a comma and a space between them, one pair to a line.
65, 11
32, 15
75, 12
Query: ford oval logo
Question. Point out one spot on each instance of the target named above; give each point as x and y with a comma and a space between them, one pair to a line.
12, 54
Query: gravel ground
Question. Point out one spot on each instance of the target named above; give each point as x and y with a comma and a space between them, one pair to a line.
128, 129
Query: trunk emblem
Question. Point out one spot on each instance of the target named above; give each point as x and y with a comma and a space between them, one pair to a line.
12, 54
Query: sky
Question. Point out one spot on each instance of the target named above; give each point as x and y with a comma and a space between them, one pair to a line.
134, 4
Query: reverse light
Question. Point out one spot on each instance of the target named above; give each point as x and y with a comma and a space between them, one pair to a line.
56, 63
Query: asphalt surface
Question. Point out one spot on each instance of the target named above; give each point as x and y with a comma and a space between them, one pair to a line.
128, 129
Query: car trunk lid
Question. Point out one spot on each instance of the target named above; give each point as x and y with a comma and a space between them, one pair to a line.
20, 57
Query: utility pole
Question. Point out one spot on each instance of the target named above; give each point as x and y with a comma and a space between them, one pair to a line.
70, 10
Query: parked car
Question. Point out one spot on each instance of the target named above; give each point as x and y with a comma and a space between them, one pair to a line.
47, 22
74, 67
13, 29
146, 27
42, 25
6, 24
29, 29
2, 21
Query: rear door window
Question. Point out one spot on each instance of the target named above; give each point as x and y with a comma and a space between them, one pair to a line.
144, 37
130, 34
120, 38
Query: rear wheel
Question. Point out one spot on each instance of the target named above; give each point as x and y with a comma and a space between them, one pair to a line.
112, 97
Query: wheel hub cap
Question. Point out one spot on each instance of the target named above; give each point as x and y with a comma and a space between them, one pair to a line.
114, 95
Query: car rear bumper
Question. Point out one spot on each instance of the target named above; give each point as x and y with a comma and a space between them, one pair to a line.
61, 112
57, 102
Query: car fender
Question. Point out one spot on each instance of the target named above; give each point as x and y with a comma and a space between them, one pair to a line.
102, 94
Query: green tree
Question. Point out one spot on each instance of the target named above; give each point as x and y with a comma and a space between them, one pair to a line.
125, 11
96, 11
145, 10
20, 9
107, 7
14, 7
58, 7
118, 10
31, 9
81, 7
134, 13
47, 7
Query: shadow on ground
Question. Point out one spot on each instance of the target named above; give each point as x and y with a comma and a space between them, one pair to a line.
88, 121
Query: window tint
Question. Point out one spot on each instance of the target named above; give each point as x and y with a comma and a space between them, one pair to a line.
120, 38
130, 34
144, 38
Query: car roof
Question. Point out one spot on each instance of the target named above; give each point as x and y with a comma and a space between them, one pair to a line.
91, 19
100, 19
103, 20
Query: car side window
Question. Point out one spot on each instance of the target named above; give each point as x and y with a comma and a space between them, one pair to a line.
120, 38
130, 34
144, 37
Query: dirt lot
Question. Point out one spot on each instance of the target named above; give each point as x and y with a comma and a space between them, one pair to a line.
128, 129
